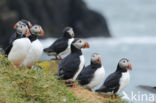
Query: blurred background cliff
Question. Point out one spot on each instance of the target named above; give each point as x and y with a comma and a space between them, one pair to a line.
53, 15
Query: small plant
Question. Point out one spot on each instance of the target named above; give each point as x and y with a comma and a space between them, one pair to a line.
4, 62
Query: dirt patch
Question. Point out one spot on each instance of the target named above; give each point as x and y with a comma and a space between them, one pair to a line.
92, 97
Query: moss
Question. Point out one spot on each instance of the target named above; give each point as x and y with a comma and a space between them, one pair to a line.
49, 65
23, 85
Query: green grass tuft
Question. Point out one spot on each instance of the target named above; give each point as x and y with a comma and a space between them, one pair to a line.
22, 85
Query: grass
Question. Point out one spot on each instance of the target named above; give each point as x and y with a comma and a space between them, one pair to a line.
23, 85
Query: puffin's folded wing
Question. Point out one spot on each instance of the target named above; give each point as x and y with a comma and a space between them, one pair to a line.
59, 45
111, 83
69, 66
86, 75
7, 49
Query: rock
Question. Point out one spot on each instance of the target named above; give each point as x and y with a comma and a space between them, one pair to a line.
53, 15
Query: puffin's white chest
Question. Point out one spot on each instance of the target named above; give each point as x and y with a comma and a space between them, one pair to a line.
97, 78
124, 80
19, 50
82, 61
67, 50
34, 53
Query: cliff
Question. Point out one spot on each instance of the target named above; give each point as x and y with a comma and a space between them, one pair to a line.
53, 15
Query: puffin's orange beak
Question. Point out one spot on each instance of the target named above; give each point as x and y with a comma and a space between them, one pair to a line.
86, 45
98, 60
15, 26
28, 33
30, 25
130, 67
42, 33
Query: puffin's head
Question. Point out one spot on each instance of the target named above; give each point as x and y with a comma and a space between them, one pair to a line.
23, 22
96, 58
37, 30
28, 23
68, 32
125, 64
23, 30
78, 43
18, 24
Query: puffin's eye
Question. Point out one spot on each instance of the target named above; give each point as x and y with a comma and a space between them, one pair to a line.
124, 61
80, 41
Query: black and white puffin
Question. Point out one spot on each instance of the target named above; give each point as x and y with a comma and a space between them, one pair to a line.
118, 80
13, 36
62, 45
36, 48
92, 75
72, 65
18, 48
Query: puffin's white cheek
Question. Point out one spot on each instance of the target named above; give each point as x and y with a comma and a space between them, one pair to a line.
79, 46
70, 32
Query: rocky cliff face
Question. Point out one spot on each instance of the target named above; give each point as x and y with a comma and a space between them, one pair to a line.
53, 15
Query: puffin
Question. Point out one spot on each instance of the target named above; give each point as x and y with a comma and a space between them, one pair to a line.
118, 80
36, 48
62, 45
92, 75
148, 88
26, 22
71, 66
18, 48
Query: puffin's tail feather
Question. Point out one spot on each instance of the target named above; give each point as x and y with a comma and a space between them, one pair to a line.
50, 52
103, 90
47, 50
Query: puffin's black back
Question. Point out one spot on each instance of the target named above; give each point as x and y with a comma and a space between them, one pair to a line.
13, 37
10, 41
69, 66
58, 46
87, 74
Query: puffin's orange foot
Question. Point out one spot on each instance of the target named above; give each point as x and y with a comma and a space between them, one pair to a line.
114, 96
60, 58
75, 87
90, 89
69, 83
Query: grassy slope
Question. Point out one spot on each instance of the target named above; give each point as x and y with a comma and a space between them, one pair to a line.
22, 85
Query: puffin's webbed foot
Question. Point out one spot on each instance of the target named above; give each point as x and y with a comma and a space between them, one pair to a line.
69, 83
60, 58
114, 96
